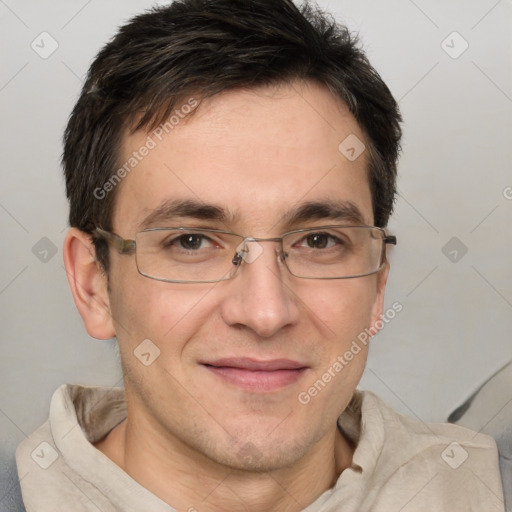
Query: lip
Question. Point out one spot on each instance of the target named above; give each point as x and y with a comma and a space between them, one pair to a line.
257, 375
247, 363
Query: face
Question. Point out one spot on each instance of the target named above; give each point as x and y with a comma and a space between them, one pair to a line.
254, 155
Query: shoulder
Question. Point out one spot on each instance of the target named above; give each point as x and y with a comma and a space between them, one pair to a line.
36, 460
396, 424
435, 466
52, 460
37, 448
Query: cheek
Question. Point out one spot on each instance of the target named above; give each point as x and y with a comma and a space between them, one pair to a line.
344, 307
343, 311
165, 313
169, 315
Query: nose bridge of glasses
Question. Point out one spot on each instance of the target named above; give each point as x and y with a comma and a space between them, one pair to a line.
244, 252
253, 239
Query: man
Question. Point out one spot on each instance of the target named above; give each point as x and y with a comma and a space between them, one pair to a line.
231, 168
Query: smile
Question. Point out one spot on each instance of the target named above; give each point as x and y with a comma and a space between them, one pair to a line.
257, 376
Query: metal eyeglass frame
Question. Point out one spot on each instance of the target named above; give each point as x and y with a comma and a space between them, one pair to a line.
128, 246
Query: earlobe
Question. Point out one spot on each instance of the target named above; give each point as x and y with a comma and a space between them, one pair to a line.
88, 284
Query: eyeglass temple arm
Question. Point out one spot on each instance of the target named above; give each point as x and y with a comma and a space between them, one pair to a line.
390, 239
122, 245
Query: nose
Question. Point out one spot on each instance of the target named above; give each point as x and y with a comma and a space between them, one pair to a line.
260, 297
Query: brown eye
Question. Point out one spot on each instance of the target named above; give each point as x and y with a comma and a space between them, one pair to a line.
319, 240
191, 242
187, 242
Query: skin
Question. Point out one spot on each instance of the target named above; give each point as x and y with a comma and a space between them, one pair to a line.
187, 435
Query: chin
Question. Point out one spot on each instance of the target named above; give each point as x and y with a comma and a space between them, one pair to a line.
262, 456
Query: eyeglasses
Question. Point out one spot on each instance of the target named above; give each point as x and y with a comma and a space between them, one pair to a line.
196, 255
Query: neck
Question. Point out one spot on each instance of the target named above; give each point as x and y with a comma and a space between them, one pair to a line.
189, 481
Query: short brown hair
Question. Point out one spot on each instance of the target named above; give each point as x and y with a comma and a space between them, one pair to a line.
204, 47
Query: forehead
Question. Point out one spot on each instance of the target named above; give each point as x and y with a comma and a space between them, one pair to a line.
254, 154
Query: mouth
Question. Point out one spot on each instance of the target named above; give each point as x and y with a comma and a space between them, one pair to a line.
256, 375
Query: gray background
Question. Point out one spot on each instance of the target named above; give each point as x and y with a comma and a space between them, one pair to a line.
454, 330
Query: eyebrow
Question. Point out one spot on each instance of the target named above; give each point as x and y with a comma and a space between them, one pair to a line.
184, 208
328, 210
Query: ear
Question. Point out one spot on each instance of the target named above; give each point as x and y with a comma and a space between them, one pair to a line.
88, 284
378, 305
